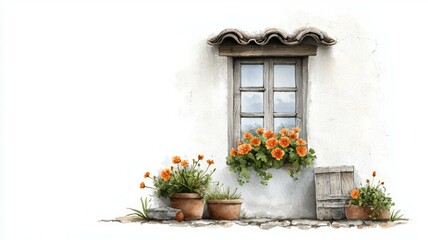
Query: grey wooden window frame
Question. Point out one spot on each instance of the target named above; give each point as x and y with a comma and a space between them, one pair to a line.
235, 114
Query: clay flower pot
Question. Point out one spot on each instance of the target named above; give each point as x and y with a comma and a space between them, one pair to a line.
354, 212
224, 209
191, 204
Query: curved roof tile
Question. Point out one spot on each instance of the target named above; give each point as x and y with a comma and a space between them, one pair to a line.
242, 38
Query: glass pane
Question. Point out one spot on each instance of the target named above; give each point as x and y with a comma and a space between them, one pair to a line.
251, 102
284, 102
250, 124
251, 75
280, 123
284, 75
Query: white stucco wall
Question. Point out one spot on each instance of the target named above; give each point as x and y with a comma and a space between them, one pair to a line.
94, 94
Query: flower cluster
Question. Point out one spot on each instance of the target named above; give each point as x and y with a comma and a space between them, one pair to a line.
182, 177
262, 150
372, 195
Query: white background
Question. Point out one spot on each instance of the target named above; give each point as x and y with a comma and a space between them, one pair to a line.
74, 136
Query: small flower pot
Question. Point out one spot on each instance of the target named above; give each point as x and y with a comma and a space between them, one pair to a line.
224, 209
191, 204
355, 212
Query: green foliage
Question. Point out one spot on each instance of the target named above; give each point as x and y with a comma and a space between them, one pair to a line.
396, 215
373, 196
244, 214
260, 158
143, 213
219, 192
183, 178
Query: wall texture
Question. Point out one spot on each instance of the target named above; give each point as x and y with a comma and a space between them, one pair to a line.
94, 94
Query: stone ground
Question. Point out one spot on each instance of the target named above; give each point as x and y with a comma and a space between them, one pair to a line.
266, 223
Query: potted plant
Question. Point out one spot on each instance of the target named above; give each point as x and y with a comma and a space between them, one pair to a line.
262, 150
224, 203
369, 202
184, 184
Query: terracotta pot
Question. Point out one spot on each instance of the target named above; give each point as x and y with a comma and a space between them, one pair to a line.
224, 209
191, 204
354, 212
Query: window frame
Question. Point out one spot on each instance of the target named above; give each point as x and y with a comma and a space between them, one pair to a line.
235, 89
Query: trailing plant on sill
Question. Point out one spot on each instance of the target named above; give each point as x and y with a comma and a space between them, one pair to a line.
263, 150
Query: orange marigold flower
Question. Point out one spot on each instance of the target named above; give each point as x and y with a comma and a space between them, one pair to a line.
271, 143
176, 159
255, 141
260, 130
200, 157
184, 163
244, 149
142, 185
147, 174
284, 142
166, 174
355, 194
277, 153
269, 134
296, 129
374, 174
209, 161
248, 135
233, 152
301, 151
294, 136
301, 142
284, 131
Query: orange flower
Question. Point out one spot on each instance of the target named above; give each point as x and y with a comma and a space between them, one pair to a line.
184, 163
301, 142
294, 136
200, 157
284, 142
277, 153
301, 151
176, 159
355, 194
142, 185
165, 174
296, 129
255, 141
271, 143
210, 162
260, 130
374, 174
284, 131
147, 174
154, 177
233, 152
244, 149
269, 134
248, 135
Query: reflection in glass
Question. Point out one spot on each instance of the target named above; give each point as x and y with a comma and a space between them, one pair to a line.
251, 75
251, 102
284, 102
284, 75
250, 124
280, 123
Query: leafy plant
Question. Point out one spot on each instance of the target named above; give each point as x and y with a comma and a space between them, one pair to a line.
262, 150
244, 214
219, 192
396, 215
143, 213
373, 196
181, 178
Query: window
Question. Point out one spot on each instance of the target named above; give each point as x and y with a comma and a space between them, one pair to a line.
268, 75
268, 93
